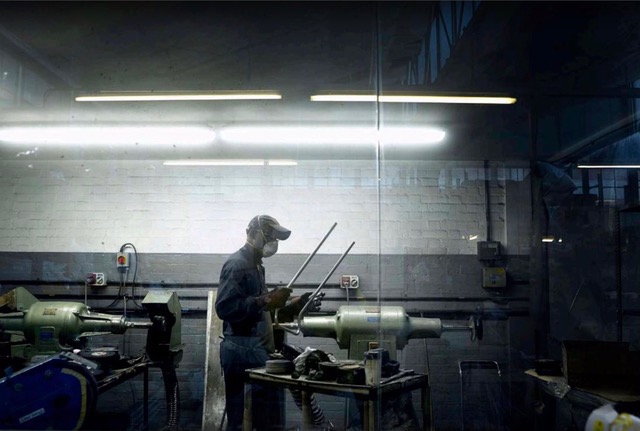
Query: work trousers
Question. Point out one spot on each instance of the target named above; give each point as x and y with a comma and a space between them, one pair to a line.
238, 354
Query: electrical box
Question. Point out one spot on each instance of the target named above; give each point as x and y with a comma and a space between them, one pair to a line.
349, 281
494, 277
489, 250
122, 261
96, 279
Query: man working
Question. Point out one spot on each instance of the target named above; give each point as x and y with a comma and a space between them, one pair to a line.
245, 305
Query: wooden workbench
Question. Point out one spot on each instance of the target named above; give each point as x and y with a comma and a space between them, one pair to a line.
372, 396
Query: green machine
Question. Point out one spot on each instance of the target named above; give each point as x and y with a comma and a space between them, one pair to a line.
49, 327
360, 328
37, 337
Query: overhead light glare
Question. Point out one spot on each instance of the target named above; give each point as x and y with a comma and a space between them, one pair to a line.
609, 166
152, 96
229, 162
106, 135
414, 98
548, 239
332, 135
282, 163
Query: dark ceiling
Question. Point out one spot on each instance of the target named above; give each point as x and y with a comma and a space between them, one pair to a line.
551, 54
201, 45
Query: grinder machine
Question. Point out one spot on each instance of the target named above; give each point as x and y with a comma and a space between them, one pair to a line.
52, 377
358, 328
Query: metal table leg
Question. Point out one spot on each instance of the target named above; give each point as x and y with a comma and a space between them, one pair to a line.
247, 422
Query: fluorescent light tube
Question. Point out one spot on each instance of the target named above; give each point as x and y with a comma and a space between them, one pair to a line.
160, 96
332, 135
414, 98
609, 166
106, 135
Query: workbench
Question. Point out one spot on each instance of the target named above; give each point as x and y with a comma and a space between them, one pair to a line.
566, 406
372, 396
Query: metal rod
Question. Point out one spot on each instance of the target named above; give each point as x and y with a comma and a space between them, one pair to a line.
313, 253
304, 265
451, 328
297, 329
315, 292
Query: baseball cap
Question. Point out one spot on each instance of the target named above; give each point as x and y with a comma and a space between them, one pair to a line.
269, 226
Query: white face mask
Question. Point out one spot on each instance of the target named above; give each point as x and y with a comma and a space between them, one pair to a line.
270, 248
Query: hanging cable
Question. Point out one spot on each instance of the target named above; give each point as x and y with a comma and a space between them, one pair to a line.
124, 279
135, 273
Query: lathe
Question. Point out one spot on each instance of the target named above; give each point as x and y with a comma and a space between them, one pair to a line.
52, 377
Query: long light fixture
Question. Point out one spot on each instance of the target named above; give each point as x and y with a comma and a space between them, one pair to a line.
412, 97
107, 135
161, 96
331, 135
229, 162
609, 166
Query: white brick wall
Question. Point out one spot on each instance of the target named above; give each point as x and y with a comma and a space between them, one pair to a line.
91, 206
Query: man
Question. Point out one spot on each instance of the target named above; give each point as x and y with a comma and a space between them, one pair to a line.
245, 305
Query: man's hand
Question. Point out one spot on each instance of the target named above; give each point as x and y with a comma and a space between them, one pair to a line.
314, 306
275, 299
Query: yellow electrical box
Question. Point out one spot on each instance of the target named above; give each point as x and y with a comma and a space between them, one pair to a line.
494, 277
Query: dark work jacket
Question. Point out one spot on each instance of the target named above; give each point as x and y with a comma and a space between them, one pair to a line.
242, 280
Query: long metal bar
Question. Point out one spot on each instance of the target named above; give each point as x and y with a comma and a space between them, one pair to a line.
304, 265
315, 292
295, 328
313, 253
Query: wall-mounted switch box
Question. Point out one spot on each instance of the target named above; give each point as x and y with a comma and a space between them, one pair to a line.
349, 281
494, 277
489, 250
122, 260
96, 279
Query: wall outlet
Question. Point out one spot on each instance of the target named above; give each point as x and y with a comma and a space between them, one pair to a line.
349, 281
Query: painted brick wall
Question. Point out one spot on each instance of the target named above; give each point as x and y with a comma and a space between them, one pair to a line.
88, 206
415, 237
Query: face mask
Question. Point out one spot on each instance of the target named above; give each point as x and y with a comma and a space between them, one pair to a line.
270, 249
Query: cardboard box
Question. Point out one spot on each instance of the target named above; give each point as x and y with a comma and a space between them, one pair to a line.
600, 364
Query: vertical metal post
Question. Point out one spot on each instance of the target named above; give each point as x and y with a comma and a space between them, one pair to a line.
145, 395
619, 310
600, 190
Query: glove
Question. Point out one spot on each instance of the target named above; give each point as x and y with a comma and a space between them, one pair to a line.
315, 305
275, 299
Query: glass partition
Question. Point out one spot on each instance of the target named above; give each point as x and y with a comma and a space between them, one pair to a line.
456, 213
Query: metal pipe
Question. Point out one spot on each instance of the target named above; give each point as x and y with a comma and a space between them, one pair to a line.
304, 265
315, 292
313, 253
297, 329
